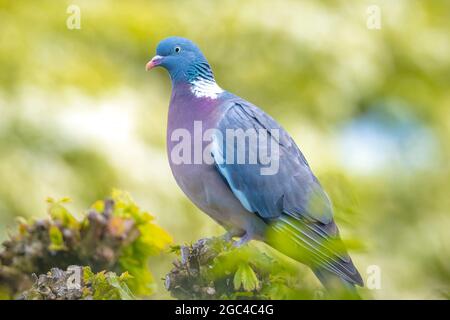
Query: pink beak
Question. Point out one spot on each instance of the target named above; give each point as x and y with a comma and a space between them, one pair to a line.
156, 61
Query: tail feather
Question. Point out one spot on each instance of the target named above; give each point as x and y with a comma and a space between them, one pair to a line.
316, 246
319, 246
336, 286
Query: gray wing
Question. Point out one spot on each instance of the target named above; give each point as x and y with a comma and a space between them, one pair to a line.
290, 196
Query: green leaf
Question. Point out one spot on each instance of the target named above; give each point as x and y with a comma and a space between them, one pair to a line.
120, 285
57, 211
88, 275
246, 278
56, 239
107, 285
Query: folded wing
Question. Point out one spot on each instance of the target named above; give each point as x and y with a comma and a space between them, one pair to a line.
273, 180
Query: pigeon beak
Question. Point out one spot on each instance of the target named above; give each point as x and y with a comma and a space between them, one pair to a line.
156, 61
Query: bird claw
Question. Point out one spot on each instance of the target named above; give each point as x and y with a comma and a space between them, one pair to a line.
242, 241
227, 237
244, 238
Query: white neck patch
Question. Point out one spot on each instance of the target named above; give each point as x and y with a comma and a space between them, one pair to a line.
203, 88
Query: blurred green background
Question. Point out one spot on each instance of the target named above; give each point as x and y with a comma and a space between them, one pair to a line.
369, 108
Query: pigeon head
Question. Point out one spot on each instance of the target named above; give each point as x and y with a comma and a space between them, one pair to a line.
182, 59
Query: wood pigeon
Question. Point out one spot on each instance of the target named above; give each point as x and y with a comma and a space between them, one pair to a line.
286, 208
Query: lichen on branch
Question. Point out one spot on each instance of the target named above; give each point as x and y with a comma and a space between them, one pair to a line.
79, 283
114, 235
215, 269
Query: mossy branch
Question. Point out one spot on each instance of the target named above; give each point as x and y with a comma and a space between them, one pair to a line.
214, 269
78, 283
114, 235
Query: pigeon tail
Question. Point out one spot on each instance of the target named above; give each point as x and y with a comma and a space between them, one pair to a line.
335, 285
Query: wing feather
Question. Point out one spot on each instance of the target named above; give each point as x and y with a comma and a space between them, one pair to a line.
292, 200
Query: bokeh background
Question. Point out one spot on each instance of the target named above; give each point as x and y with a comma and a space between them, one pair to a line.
370, 108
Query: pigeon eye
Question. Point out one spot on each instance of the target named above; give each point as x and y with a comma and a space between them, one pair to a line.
177, 49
